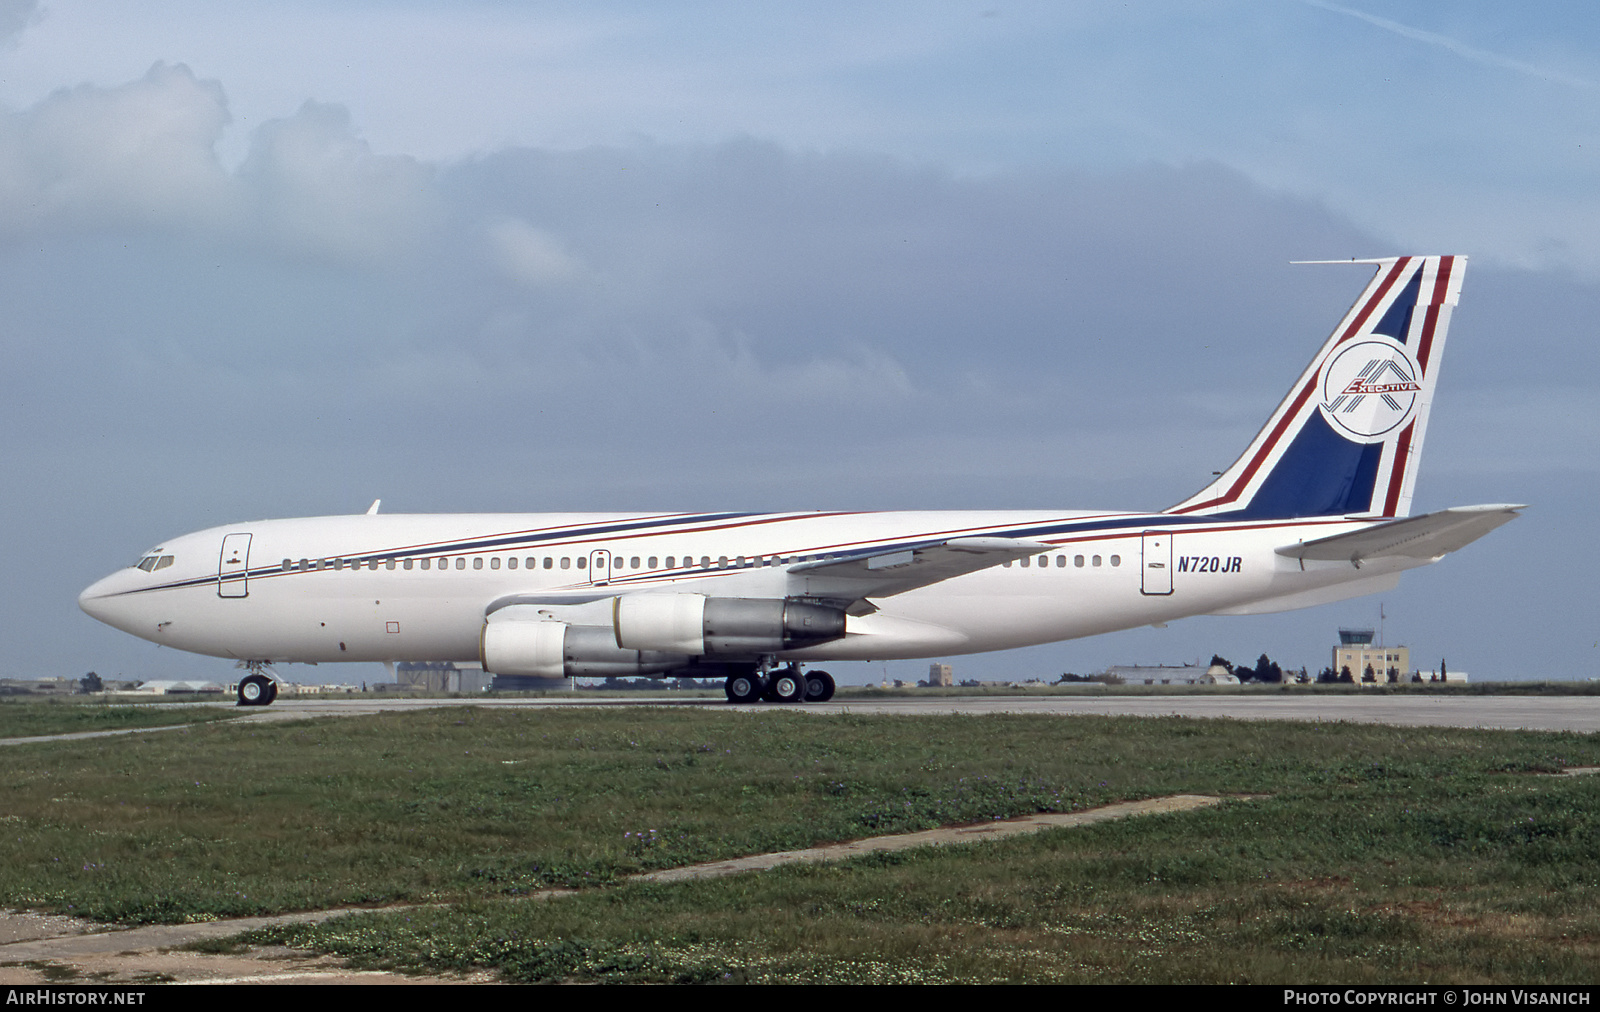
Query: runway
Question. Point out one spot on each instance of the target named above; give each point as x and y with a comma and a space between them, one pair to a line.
1534, 713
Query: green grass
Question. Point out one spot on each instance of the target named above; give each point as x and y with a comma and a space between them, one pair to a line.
1248, 893
24, 716
1382, 853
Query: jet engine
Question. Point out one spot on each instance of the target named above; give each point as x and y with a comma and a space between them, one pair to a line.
557, 650
696, 624
656, 633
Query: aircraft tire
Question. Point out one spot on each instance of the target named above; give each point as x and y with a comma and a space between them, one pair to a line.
787, 686
272, 694
742, 688
819, 686
255, 690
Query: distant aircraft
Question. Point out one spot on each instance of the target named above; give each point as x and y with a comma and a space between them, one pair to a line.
1314, 511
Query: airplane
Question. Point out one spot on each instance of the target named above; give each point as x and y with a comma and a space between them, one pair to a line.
1315, 510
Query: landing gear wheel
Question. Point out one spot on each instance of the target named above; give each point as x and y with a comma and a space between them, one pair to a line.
742, 688
788, 686
819, 686
256, 690
272, 693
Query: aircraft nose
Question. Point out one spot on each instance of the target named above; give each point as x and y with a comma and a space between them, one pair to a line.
100, 600
93, 600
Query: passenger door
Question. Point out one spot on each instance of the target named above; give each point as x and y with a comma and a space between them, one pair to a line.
233, 566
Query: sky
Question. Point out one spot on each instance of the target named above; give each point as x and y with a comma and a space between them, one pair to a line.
285, 259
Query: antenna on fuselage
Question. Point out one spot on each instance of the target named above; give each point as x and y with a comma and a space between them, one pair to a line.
372, 510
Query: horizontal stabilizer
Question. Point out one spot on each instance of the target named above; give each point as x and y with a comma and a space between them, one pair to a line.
907, 567
1423, 537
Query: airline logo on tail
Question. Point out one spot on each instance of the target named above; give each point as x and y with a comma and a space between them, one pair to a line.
1370, 389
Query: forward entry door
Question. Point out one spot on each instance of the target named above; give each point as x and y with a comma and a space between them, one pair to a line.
233, 567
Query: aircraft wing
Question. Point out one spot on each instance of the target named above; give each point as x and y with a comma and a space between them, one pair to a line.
1421, 537
897, 570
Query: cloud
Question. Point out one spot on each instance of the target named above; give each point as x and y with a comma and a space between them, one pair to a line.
15, 17
530, 256
144, 155
138, 154
316, 185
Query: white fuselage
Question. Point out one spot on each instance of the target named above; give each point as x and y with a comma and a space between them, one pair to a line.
418, 587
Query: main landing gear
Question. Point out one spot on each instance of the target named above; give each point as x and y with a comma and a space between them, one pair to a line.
257, 688
781, 685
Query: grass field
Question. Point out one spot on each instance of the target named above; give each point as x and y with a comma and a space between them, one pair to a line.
1390, 854
28, 716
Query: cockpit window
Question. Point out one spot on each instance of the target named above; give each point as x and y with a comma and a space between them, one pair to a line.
151, 563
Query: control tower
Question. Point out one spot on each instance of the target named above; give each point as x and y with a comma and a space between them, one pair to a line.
1357, 652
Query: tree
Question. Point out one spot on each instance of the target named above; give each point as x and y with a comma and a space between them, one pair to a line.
90, 683
1268, 670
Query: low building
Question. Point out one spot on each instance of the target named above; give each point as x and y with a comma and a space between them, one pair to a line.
164, 687
1159, 674
441, 676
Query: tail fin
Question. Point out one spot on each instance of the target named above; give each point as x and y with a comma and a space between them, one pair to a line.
1347, 438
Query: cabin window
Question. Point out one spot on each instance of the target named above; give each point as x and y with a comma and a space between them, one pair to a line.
1061, 561
653, 562
566, 562
1097, 560
426, 563
461, 563
1116, 560
406, 564
494, 563
705, 562
1006, 564
633, 563
389, 564
149, 564
511, 563
1023, 562
1077, 560
582, 561
477, 562
672, 562
549, 562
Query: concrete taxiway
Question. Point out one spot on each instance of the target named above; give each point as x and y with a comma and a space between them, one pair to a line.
1532, 713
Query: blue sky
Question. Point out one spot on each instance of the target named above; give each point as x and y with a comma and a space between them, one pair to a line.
285, 259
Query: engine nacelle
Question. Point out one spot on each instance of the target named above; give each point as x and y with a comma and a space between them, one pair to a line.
523, 648
698, 625
547, 649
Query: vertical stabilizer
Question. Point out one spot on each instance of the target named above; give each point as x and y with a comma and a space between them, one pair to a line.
1347, 438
